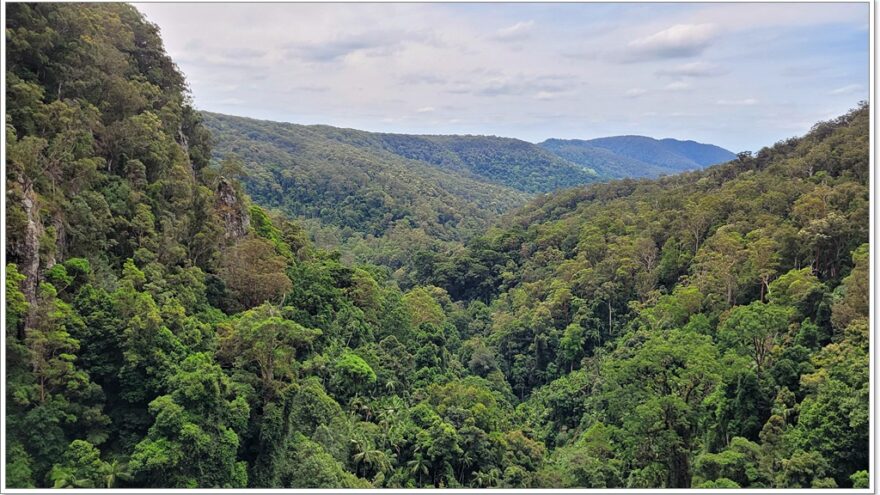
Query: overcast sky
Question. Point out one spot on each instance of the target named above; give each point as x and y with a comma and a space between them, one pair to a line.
738, 75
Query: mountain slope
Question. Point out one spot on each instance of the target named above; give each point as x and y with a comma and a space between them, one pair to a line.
637, 156
724, 309
380, 198
505, 161
700, 153
349, 180
513, 162
164, 332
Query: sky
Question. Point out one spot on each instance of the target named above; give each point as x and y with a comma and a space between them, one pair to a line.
739, 75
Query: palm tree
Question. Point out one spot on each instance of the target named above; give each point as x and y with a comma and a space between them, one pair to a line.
485, 480
418, 466
366, 455
114, 472
360, 406
466, 460
390, 386
65, 477
359, 449
389, 418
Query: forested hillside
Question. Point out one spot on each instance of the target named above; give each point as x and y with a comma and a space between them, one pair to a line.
377, 197
163, 330
620, 157
381, 197
708, 329
343, 179
495, 160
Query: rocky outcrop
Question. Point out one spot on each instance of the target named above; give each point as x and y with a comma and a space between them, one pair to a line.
231, 210
29, 253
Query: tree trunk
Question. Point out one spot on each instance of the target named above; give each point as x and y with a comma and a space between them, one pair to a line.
610, 329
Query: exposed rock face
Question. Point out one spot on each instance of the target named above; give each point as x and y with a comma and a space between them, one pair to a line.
60, 252
30, 251
232, 211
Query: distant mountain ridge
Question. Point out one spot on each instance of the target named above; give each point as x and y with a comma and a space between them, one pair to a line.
449, 186
350, 179
617, 157
510, 162
383, 197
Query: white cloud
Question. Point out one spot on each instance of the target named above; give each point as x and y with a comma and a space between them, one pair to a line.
677, 86
733, 17
635, 92
693, 69
681, 40
372, 66
547, 95
425, 109
516, 32
374, 43
848, 89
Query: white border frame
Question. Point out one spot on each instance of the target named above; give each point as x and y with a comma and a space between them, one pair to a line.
873, 279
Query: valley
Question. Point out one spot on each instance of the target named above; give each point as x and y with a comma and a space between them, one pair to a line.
380, 198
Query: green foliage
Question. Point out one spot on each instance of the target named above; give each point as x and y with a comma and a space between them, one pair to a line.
655, 394
264, 339
352, 374
708, 329
18, 467
590, 462
753, 330
81, 466
195, 436
737, 463
16, 305
860, 479
378, 195
253, 273
853, 304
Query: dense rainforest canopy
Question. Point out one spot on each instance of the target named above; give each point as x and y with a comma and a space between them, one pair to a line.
708, 329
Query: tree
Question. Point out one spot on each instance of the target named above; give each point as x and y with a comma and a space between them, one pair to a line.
721, 264
754, 330
194, 439
352, 375
423, 307
50, 344
81, 467
571, 345
656, 394
802, 470
370, 458
418, 467
737, 463
113, 472
800, 289
833, 422
592, 461
254, 273
860, 479
763, 258
854, 302
262, 336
